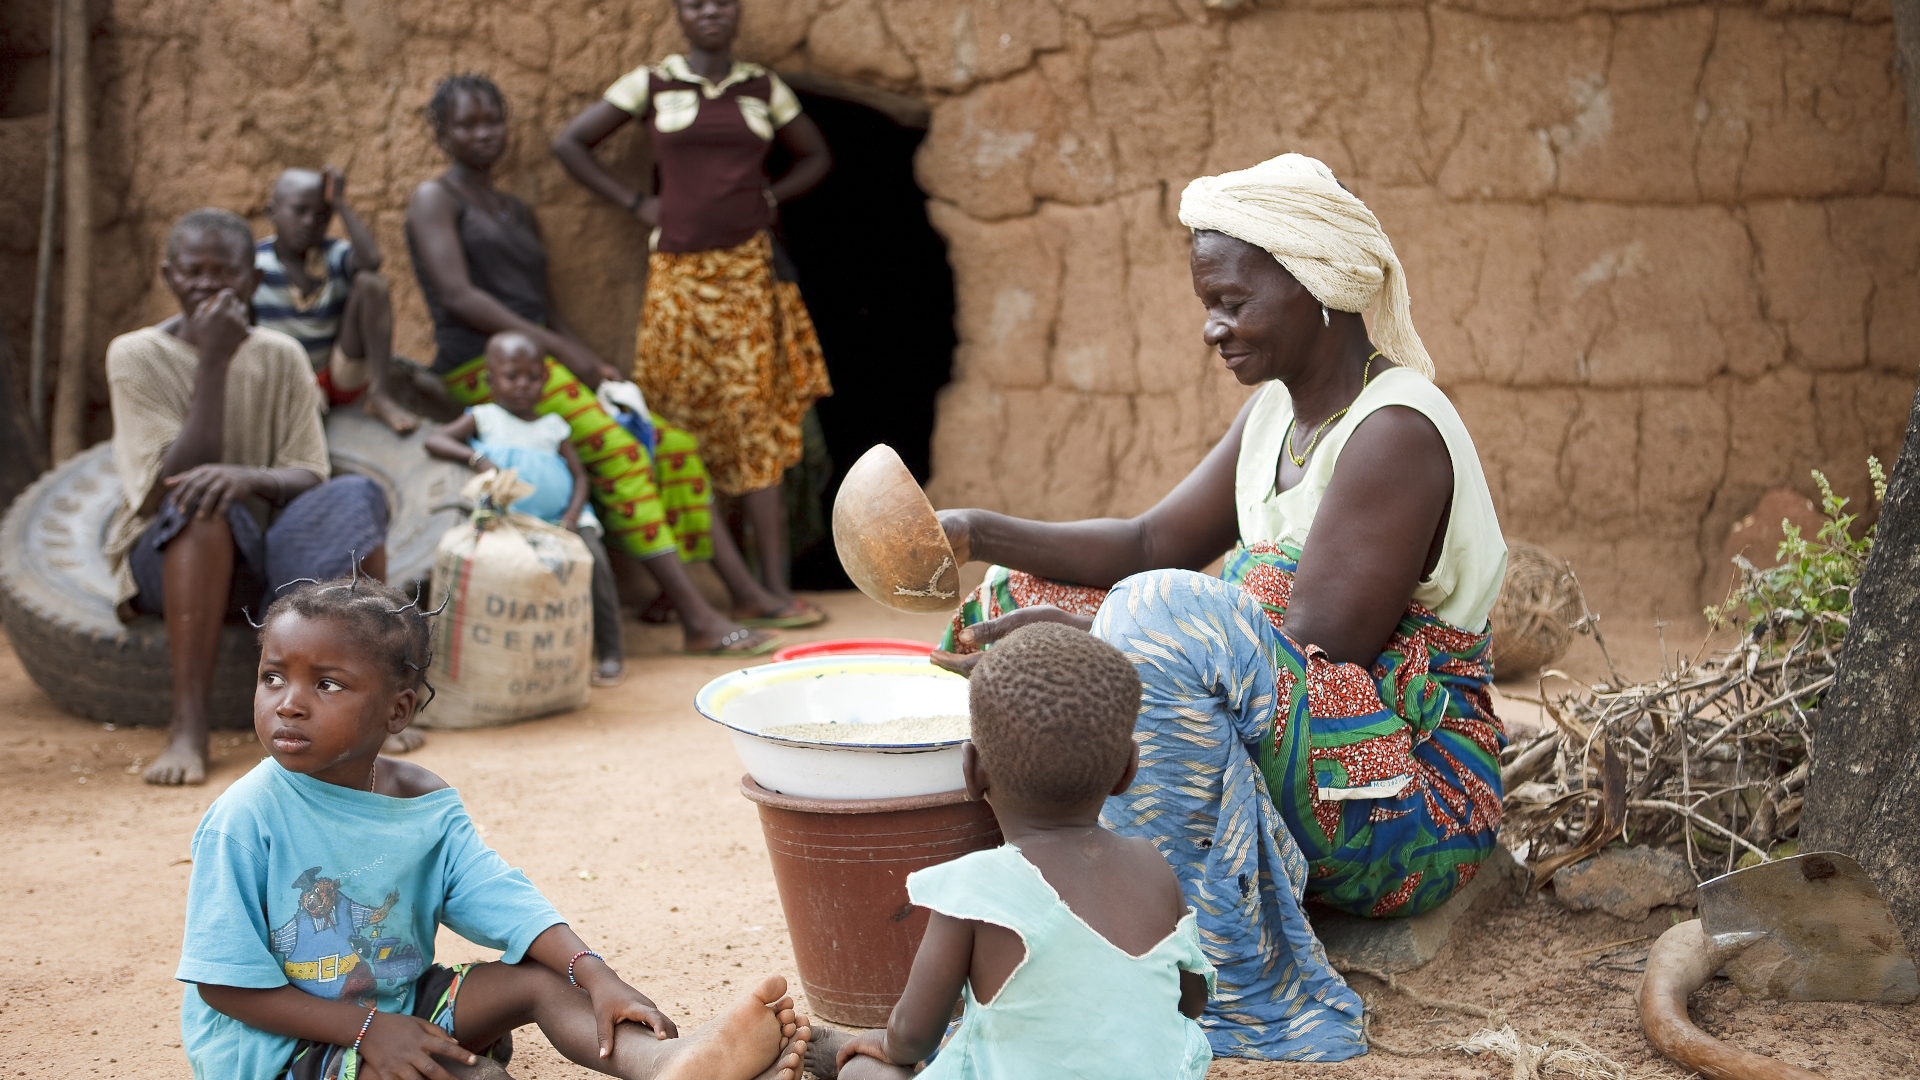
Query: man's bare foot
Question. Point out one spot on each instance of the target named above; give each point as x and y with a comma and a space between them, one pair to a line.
388, 411
737, 1044
823, 1051
406, 741
183, 762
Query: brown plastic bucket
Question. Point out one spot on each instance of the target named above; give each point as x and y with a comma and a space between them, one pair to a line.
842, 866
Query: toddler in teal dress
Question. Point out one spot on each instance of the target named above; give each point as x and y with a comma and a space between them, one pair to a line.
1072, 947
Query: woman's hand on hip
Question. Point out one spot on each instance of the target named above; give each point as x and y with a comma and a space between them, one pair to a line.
982, 634
647, 211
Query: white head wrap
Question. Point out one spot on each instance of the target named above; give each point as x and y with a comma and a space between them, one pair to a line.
1325, 237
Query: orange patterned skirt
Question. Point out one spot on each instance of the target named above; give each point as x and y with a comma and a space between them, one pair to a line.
729, 353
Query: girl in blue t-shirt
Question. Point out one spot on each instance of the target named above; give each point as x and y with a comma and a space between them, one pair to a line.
321, 877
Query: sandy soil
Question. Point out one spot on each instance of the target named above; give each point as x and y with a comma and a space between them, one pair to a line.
627, 814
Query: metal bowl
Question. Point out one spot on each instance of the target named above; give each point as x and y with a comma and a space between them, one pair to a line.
841, 690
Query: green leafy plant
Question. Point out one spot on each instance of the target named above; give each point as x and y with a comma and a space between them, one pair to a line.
1808, 598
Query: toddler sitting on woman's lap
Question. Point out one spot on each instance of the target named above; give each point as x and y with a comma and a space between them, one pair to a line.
1073, 949
506, 433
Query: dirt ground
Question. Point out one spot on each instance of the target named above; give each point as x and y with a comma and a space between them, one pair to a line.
628, 815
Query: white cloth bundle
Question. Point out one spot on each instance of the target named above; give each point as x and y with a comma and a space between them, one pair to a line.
1292, 207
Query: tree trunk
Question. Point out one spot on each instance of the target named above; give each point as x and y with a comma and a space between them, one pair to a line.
1863, 793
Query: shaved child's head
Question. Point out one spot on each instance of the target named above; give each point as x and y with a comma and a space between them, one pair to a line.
212, 221
295, 182
516, 371
1053, 714
511, 345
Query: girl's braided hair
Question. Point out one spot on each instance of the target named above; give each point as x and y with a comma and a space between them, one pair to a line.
440, 106
380, 618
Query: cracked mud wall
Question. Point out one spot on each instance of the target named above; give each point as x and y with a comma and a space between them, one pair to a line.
1666, 256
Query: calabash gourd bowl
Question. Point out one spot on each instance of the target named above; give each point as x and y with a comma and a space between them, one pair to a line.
889, 540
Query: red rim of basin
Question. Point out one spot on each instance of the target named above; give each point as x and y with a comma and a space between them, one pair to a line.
854, 647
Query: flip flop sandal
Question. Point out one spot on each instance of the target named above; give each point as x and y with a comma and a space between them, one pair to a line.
726, 645
808, 616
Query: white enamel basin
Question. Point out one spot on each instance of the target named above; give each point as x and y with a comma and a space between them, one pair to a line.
844, 690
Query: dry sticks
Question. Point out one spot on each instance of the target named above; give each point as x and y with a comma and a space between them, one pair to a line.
1714, 752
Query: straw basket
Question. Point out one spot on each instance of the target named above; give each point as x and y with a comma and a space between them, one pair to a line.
1538, 606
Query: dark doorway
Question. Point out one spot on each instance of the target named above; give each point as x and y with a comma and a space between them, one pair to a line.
876, 280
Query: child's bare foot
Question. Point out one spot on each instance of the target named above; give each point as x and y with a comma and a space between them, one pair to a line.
406, 741
823, 1051
183, 762
388, 411
790, 1062
737, 1044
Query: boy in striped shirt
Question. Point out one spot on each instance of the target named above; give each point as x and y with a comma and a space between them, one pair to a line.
327, 293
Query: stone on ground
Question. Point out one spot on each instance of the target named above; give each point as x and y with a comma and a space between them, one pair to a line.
1397, 945
1626, 883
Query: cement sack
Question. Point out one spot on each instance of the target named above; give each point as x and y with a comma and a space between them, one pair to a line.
515, 639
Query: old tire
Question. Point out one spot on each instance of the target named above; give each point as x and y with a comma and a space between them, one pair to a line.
56, 594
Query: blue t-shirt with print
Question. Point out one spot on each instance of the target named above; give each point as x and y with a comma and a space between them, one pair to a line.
338, 892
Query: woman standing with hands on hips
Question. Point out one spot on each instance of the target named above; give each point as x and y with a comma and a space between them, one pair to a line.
483, 269
726, 348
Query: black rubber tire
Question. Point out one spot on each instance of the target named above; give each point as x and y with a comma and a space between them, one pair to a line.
56, 595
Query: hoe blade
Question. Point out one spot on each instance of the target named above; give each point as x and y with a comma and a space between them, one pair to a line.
1819, 932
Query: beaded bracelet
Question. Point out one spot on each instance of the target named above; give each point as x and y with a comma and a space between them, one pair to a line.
364, 1025
576, 959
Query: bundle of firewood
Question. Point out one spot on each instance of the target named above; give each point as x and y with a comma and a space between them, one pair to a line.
1710, 758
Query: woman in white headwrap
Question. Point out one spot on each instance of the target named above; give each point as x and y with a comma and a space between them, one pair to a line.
1317, 720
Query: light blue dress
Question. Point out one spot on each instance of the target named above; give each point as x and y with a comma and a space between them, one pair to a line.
532, 449
1077, 1006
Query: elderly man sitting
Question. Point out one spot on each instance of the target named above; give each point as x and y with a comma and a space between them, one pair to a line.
217, 438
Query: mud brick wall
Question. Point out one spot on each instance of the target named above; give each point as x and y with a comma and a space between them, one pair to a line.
1666, 256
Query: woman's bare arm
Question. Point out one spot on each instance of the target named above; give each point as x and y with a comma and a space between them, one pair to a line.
1374, 537
811, 159
574, 149
1188, 529
442, 260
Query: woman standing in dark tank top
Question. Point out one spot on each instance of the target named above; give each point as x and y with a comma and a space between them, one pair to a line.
483, 269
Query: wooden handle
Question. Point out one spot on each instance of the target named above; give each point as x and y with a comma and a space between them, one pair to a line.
1678, 964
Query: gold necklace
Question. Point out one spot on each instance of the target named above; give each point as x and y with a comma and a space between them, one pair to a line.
1300, 459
